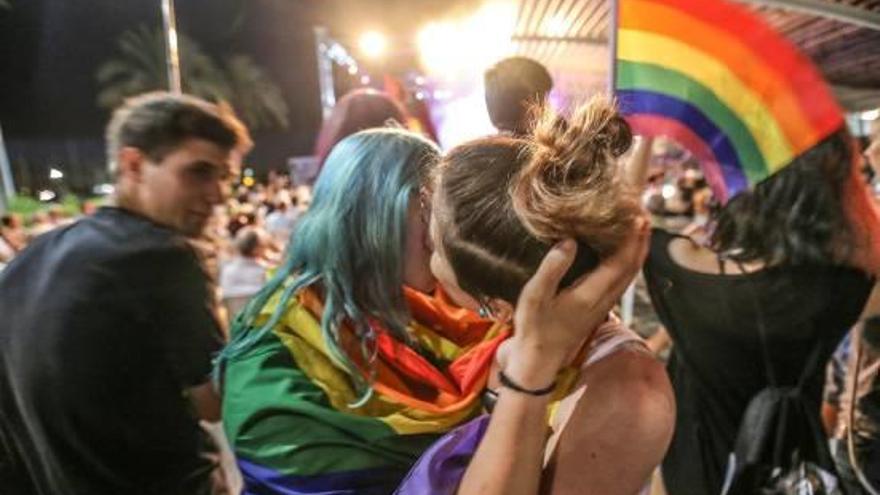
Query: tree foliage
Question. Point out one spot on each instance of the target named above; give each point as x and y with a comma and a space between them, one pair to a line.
140, 66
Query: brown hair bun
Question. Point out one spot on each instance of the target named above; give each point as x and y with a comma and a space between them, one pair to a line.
571, 185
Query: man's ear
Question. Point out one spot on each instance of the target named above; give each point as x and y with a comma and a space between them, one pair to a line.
130, 162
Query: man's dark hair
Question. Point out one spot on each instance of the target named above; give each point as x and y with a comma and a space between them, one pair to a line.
513, 85
156, 123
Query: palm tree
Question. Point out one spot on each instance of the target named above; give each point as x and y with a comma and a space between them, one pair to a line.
254, 95
140, 67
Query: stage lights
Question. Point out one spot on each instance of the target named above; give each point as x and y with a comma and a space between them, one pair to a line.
373, 44
466, 46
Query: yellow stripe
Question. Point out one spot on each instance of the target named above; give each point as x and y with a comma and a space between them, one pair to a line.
434, 342
306, 345
444, 347
644, 47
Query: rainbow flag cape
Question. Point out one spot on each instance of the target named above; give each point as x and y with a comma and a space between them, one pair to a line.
286, 401
713, 76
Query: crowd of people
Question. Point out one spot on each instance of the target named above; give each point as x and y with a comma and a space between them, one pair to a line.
428, 322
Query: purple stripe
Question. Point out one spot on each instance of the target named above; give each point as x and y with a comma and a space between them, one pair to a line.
633, 102
440, 469
260, 480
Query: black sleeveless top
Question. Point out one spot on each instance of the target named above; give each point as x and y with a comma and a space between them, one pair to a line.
716, 365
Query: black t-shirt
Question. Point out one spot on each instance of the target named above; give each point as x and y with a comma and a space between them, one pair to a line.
103, 325
716, 364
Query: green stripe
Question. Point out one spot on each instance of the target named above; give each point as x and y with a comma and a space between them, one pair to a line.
276, 417
649, 77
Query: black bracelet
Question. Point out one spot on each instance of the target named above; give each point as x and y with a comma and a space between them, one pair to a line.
507, 382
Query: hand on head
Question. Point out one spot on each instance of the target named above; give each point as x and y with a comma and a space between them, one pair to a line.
551, 324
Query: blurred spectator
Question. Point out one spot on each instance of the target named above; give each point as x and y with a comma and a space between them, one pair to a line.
281, 221
12, 230
701, 204
44, 221
40, 224
245, 273
872, 154
358, 110
513, 86
12, 237
89, 208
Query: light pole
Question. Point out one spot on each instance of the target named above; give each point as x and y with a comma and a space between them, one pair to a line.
172, 57
323, 45
7, 187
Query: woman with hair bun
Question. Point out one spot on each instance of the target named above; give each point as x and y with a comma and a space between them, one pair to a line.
578, 404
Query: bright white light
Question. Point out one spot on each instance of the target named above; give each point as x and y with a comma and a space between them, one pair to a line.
103, 189
556, 26
373, 44
352, 69
55, 174
668, 191
464, 48
365, 79
419, 80
420, 95
462, 117
46, 195
439, 45
442, 94
871, 114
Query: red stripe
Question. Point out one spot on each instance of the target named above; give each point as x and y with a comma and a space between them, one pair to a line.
813, 94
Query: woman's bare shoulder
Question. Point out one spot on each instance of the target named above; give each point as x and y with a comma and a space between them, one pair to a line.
619, 430
633, 382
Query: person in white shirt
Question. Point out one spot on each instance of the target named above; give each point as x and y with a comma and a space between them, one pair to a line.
243, 275
281, 221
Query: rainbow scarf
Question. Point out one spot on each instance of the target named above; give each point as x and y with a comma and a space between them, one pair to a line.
286, 400
713, 76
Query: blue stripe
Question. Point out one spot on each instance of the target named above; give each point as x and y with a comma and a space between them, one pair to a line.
259, 480
633, 102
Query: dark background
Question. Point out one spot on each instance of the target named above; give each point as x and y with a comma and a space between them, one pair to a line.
51, 49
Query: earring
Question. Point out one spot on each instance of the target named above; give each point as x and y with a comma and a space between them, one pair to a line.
485, 310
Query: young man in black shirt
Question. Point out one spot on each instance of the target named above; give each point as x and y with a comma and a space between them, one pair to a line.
107, 328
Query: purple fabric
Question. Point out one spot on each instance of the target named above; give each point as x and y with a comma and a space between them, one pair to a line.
260, 480
440, 469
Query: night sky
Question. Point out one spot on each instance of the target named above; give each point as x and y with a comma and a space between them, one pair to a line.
50, 50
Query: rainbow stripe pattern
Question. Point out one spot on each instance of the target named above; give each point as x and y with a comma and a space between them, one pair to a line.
286, 403
713, 76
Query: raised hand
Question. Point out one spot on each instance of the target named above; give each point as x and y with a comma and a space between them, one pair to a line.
550, 325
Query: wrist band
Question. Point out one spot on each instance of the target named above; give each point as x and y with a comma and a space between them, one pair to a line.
508, 383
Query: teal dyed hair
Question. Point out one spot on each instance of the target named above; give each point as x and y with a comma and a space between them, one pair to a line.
350, 242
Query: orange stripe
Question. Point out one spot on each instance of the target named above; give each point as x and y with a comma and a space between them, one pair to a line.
444, 404
774, 90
